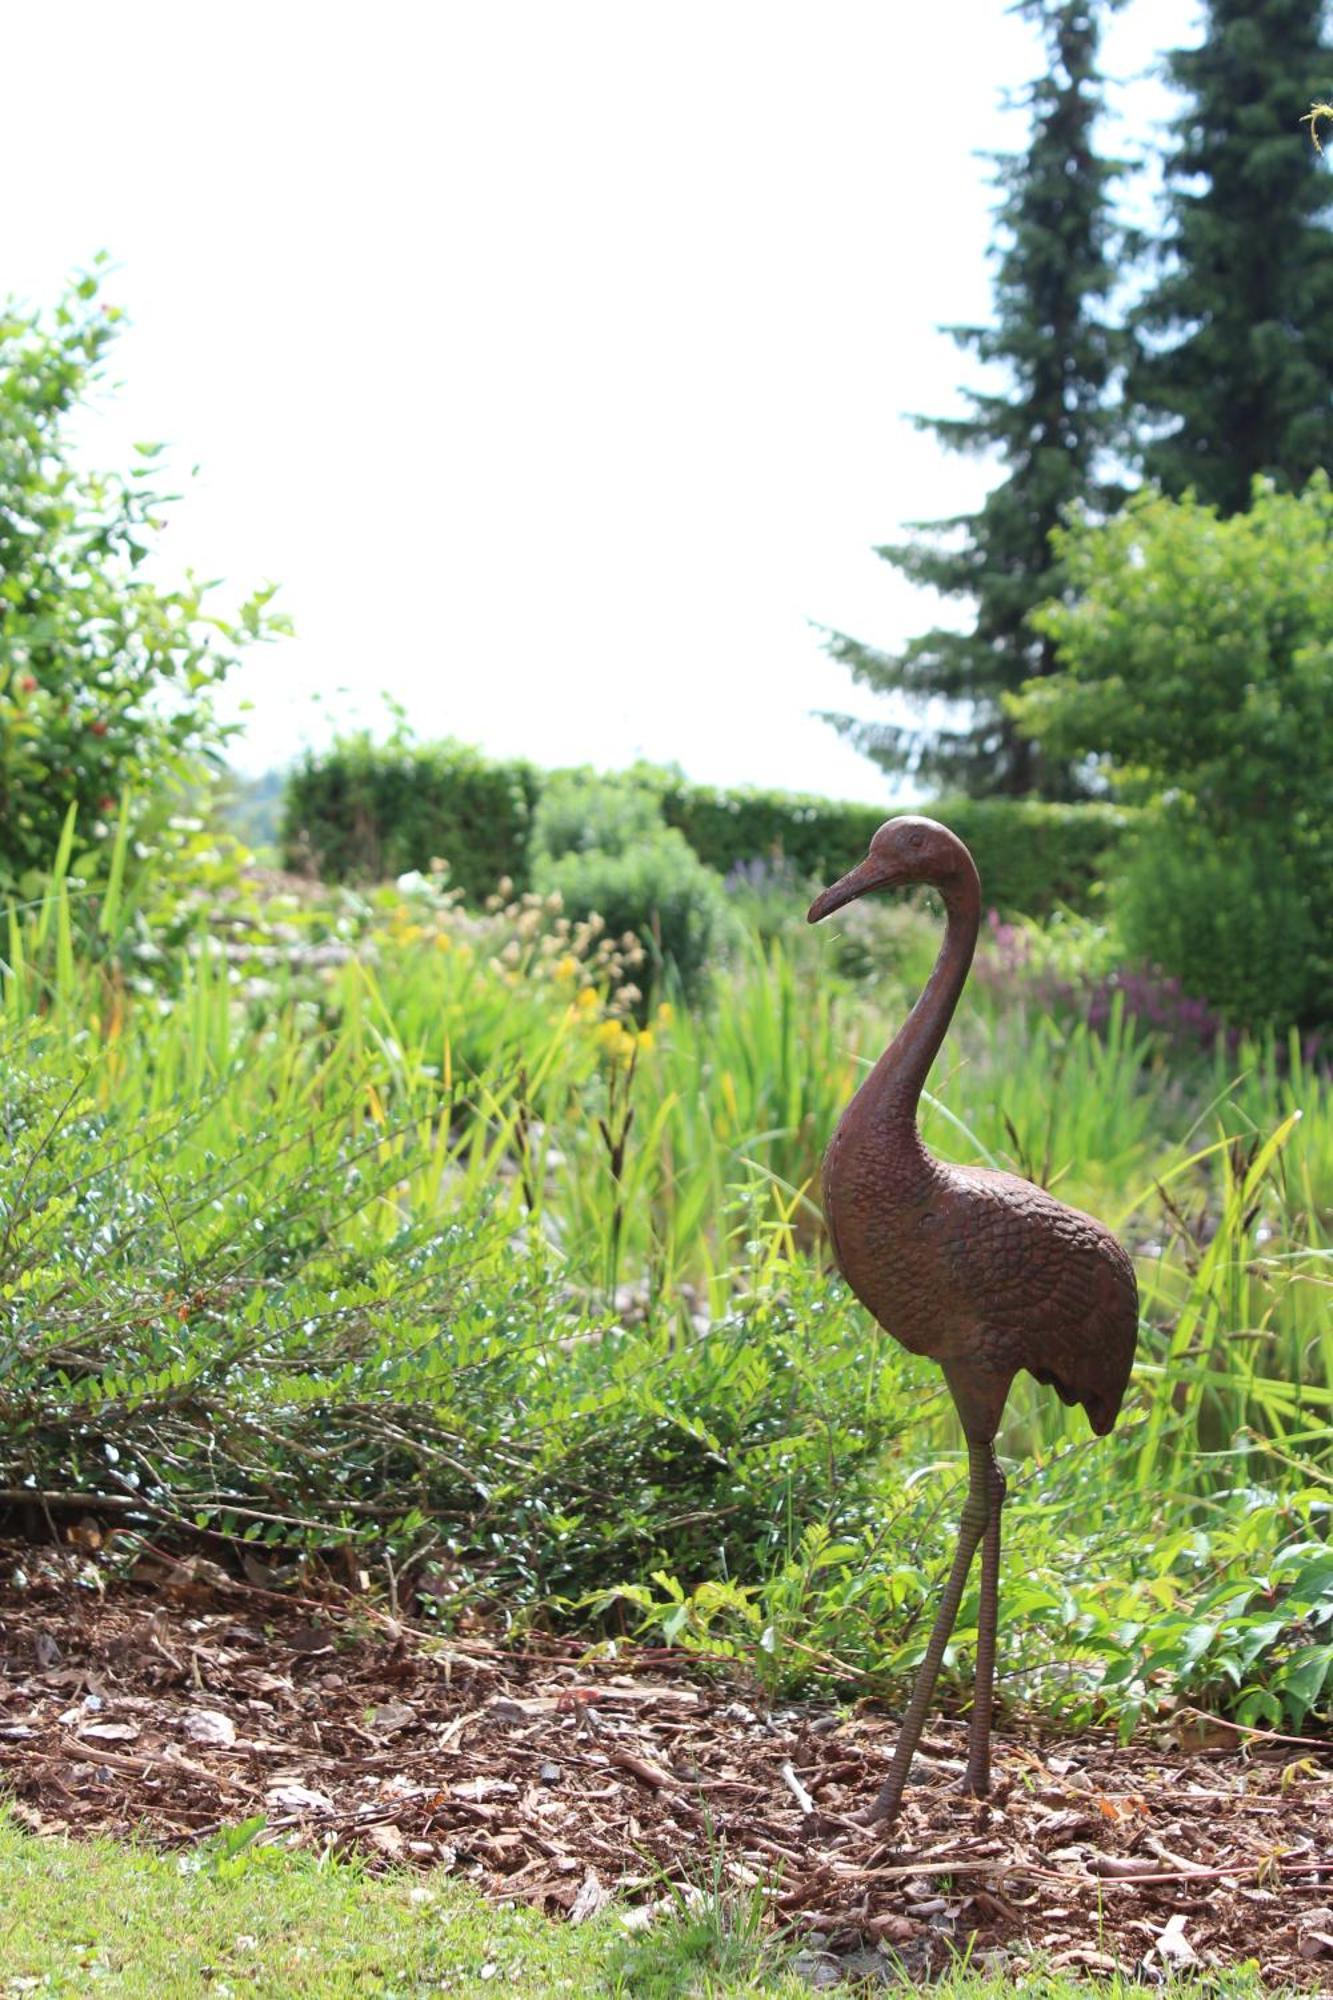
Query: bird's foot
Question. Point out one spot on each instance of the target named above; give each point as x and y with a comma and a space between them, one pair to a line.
881, 1811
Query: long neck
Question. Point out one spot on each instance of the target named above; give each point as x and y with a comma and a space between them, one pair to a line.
893, 1089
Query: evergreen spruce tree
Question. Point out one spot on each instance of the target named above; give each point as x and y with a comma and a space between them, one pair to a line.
1236, 347
1050, 425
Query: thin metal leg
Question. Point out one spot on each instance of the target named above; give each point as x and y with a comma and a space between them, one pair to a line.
971, 1530
977, 1780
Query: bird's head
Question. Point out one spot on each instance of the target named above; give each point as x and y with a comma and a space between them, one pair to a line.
903, 851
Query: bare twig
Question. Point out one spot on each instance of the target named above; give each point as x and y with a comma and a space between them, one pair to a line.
796, 1788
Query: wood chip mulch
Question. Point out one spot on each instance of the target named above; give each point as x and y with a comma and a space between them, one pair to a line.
183, 1703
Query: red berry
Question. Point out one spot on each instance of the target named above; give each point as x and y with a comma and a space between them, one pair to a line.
27, 683
97, 728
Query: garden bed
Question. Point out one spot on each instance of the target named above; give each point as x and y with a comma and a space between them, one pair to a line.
181, 1704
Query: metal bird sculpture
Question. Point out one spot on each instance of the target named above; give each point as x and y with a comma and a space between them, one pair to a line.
982, 1271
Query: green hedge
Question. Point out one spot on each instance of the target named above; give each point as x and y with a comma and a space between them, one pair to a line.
1034, 857
1031, 856
362, 812
358, 812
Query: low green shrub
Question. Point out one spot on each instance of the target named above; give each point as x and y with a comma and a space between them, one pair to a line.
579, 812
363, 811
658, 889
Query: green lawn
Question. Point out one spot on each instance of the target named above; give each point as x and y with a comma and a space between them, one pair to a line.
82, 1918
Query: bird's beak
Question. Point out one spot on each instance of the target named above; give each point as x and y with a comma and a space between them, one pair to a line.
868, 874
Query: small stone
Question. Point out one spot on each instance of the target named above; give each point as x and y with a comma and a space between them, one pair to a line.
818, 1969
392, 1716
206, 1725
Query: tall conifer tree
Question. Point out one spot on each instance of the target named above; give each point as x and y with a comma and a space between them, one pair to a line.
1236, 339
1049, 424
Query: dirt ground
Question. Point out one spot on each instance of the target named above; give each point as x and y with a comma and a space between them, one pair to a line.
180, 1703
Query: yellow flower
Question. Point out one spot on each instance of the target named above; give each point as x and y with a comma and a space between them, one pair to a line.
666, 1014
443, 941
587, 999
645, 1038
567, 967
616, 1040
409, 933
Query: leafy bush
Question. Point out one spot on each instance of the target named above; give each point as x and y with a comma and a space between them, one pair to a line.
106, 678
602, 846
1196, 662
1230, 917
657, 889
579, 812
297, 1298
363, 811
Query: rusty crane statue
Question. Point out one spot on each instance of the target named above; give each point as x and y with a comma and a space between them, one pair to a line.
982, 1271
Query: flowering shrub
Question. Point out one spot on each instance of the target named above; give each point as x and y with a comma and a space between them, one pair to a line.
1080, 977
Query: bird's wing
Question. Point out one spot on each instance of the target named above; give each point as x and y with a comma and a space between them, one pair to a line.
1060, 1296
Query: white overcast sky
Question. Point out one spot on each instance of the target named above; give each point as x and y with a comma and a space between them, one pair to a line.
552, 357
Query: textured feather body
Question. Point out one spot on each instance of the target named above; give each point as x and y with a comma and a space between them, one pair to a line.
981, 1270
